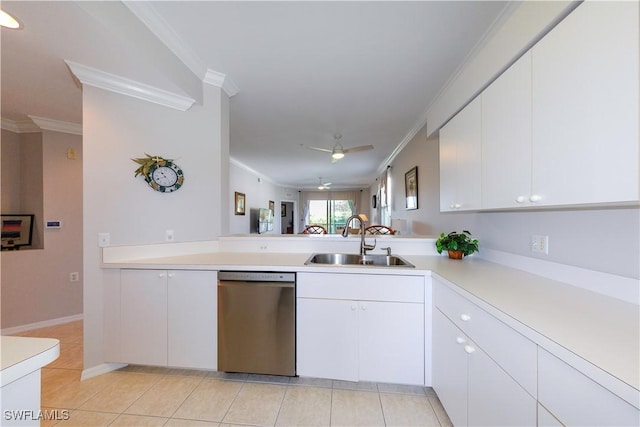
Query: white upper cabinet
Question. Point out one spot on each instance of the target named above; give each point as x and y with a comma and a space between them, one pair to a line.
460, 160
585, 107
560, 127
506, 138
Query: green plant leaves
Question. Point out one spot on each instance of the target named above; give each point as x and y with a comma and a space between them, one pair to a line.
455, 241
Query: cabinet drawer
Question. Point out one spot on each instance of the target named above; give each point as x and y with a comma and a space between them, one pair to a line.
457, 308
369, 287
575, 399
512, 351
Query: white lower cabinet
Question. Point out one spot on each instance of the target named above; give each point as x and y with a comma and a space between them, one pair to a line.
358, 327
473, 389
168, 318
576, 400
192, 324
143, 317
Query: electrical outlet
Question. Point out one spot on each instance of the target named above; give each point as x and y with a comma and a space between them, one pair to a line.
74, 277
104, 239
540, 244
168, 235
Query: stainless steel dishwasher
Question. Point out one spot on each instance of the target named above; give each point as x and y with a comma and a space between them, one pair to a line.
257, 322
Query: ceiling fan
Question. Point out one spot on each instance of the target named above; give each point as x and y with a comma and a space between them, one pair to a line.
338, 151
324, 185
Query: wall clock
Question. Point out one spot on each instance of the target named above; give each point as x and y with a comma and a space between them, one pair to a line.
161, 174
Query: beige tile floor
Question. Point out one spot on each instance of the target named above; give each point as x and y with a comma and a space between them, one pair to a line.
148, 396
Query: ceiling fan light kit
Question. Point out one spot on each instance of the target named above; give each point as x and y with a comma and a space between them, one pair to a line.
338, 151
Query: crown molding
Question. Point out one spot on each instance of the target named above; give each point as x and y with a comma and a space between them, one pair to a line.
20, 126
221, 80
150, 17
57, 125
124, 86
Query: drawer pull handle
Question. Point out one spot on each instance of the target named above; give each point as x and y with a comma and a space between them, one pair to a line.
161, 275
353, 307
469, 349
465, 317
364, 307
172, 275
460, 340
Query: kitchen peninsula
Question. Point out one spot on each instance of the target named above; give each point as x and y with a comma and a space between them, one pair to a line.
21, 361
578, 348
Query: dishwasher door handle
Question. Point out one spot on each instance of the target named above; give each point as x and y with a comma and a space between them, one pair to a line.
246, 283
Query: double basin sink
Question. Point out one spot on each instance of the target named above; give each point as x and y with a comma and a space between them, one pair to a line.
378, 260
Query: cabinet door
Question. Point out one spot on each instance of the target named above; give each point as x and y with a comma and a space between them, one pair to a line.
143, 317
506, 138
460, 157
327, 337
495, 399
577, 400
391, 342
450, 368
585, 107
192, 319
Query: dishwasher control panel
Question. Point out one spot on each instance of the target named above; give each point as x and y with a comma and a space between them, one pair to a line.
256, 276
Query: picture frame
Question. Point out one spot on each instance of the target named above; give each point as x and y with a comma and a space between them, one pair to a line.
283, 209
411, 189
17, 231
272, 207
240, 203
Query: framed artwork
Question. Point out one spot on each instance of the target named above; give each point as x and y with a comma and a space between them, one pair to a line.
272, 207
16, 231
411, 189
239, 203
283, 210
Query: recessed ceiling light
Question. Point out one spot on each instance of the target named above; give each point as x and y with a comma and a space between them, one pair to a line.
9, 21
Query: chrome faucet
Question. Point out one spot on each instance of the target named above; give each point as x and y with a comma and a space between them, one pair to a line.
363, 246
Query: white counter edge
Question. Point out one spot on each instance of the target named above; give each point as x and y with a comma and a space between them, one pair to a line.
37, 353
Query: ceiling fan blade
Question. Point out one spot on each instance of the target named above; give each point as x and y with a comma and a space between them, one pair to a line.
359, 148
324, 150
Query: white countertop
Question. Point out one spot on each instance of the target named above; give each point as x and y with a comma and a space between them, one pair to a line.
20, 356
603, 331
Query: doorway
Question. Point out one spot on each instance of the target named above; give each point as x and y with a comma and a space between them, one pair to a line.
287, 217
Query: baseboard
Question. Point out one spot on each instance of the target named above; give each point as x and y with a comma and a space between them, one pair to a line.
100, 369
44, 324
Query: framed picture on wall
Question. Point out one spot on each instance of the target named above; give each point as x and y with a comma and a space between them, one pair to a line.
283, 210
239, 203
17, 231
411, 189
272, 207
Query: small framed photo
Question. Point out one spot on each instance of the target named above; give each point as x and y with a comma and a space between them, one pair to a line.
239, 203
411, 189
17, 231
283, 210
272, 207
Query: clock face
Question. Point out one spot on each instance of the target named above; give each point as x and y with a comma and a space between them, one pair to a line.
165, 178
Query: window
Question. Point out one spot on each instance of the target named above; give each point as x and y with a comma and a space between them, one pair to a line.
331, 214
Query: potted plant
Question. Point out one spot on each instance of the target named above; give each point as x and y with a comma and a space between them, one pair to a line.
457, 244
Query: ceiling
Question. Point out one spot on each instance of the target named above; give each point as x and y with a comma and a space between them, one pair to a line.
304, 71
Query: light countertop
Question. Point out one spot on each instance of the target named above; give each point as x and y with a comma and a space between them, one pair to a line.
601, 330
21, 356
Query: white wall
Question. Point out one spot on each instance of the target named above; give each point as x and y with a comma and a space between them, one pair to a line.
600, 239
35, 283
258, 191
118, 128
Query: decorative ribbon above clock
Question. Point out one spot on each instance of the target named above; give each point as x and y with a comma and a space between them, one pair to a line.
161, 174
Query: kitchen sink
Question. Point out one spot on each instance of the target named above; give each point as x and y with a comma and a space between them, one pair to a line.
378, 260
